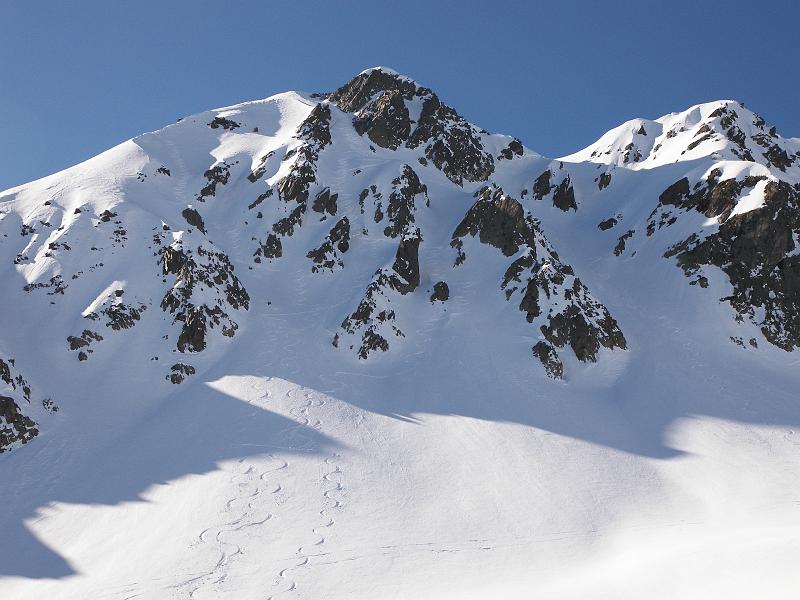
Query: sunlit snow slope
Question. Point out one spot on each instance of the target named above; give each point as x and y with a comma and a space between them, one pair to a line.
350, 345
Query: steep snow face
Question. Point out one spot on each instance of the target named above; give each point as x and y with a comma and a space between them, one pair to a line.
375, 339
284, 181
629, 145
113, 254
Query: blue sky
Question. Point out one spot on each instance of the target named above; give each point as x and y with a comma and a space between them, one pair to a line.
79, 77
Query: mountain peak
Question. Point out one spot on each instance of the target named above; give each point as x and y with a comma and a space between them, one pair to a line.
392, 110
356, 93
720, 130
386, 71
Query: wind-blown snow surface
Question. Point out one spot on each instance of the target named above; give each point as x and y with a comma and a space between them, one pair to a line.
448, 466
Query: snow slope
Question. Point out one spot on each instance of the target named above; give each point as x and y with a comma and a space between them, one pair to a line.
285, 403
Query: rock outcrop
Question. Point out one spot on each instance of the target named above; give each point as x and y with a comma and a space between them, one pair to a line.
757, 250
16, 428
203, 295
546, 290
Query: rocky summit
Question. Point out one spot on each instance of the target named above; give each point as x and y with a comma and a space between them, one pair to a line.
286, 276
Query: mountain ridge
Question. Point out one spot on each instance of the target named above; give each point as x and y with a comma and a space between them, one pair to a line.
418, 318
383, 104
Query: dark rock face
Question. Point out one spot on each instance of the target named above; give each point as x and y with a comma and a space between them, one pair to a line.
777, 157
259, 171
451, 144
316, 135
84, 342
194, 219
547, 290
122, 316
118, 314
386, 121
55, 284
498, 219
76, 343
179, 372
726, 121
406, 265
216, 175
355, 94
371, 191
16, 382
631, 154
260, 199
607, 224
402, 205
622, 241
542, 187
513, 149
709, 134
15, 426
172, 259
675, 193
713, 198
285, 226
441, 292
604, 180
212, 270
529, 304
271, 248
564, 196
325, 202
105, 216
756, 250
374, 319
572, 328
548, 356
294, 187
328, 255
193, 333
574, 318
315, 131
224, 123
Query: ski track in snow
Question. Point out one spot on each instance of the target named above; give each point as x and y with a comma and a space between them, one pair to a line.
259, 494
246, 511
258, 489
182, 171
330, 501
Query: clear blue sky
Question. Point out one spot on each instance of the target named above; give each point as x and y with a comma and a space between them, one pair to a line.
79, 77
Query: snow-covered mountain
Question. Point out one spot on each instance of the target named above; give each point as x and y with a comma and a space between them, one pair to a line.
351, 345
